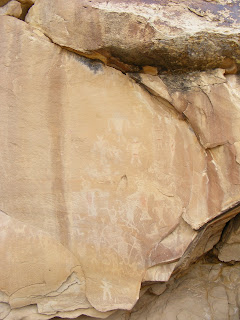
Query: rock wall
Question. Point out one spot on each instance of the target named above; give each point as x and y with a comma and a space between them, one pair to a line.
210, 290
120, 158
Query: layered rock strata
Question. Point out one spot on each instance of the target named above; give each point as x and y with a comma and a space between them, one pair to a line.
112, 179
172, 35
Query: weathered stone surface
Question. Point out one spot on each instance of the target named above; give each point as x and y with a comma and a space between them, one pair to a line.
208, 291
110, 180
24, 2
34, 269
209, 101
229, 247
185, 35
12, 8
78, 168
206, 238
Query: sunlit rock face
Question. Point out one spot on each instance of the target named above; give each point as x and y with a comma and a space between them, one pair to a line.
110, 181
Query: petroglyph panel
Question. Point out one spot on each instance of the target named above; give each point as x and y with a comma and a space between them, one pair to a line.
97, 177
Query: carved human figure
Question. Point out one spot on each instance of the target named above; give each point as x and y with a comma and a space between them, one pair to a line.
106, 286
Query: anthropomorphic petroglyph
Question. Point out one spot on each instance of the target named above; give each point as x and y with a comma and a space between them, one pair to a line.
106, 287
135, 147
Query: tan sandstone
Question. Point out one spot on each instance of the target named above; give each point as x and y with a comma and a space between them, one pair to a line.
12, 8
229, 248
111, 182
209, 291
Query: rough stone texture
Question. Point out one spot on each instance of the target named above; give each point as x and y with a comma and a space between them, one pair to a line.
229, 248
86, 173
209, 102
12, 8
175, 35
23, 2
110, 181
208, 291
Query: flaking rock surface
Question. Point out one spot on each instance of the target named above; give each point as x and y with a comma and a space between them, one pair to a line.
108, 180
175, 35
208, 291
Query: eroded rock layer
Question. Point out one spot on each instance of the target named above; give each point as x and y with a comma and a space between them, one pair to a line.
210, 290
112, 181
172, 35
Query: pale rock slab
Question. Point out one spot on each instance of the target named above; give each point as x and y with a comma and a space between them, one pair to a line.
209, 101
77, 164
37, 270
101, 180
12, 8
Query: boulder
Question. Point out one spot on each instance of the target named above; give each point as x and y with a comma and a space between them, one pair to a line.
171, 35
12, 8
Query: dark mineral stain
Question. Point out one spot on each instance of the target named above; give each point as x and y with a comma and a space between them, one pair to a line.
217, 9
94, 65
135, 76
55, 120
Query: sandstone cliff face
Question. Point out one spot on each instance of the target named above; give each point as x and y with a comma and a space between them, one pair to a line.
117, 170
209, 291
